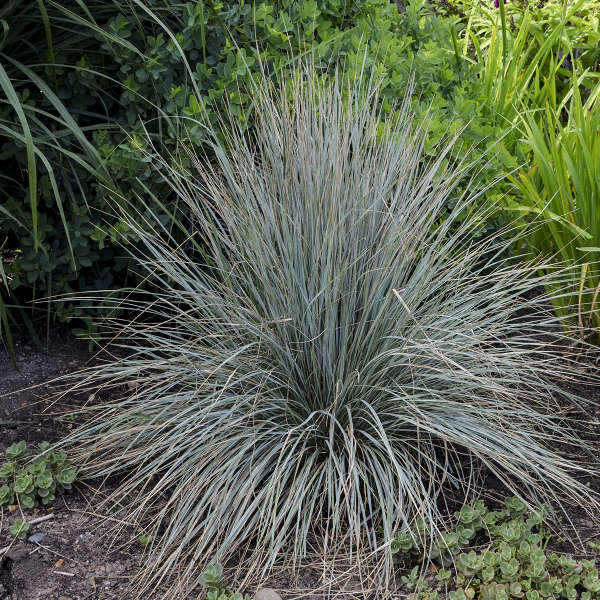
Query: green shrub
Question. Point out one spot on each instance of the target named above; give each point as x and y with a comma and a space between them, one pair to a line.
79, 108
326, 349
539, 72
514, 561
27, 478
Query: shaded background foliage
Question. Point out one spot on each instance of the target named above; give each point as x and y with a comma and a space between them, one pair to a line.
124, 71
96, 81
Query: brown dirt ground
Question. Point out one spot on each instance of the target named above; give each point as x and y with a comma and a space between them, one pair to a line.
73, 560
77, 559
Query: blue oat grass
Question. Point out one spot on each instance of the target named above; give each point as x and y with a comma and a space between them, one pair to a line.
327, 352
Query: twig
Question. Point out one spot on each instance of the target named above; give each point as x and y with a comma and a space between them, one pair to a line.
100, 516
64, 573
41, 519
53, 551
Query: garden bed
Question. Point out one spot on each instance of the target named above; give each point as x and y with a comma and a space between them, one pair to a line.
72, 560
77, 558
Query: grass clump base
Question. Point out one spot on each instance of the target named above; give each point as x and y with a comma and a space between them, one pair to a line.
326, 352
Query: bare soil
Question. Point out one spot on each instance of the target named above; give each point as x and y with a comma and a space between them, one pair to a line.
74, 558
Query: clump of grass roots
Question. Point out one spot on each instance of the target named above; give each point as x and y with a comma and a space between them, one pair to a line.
327, 354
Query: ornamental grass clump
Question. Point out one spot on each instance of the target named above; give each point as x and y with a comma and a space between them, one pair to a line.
325, 354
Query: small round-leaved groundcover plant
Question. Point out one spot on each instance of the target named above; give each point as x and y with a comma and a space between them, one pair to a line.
214, 583
326, 352
27, 478
511, 559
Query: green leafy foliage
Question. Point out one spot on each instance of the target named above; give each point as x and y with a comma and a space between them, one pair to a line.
28, 478
540, 73
561, 192
512, 559
77, 114
79, 108
20, 529
213, 582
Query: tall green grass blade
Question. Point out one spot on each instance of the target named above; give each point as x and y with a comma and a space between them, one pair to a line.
504, 36
55, 191
73, 128
13, 99
563, 188
5, 332
3, 277
47, 31
5, 212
